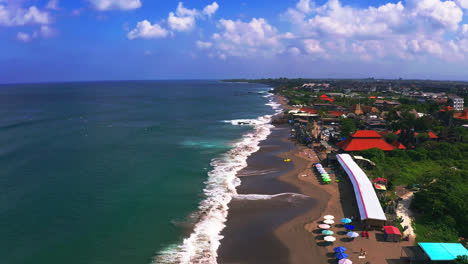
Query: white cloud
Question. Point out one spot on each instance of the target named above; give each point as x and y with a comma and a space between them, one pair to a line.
178, 23
462, 3
333, 18
104, 5
209, 10
53, 5
304, 6
256, 33
144, 30
204, 45
254, 38
24, 37
288, 35
294, 51
464, 30
412, 29
312, 46
445, 14
47, 31
21, 16
182, 11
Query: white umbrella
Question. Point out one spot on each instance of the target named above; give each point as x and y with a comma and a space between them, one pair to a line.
329, 238
329, 217
329, 221
345, 261
324, 226
352, 234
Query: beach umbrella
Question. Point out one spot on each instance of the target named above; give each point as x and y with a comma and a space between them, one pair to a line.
339, 249
352, 234
324, 226
345, 261
341, 255
329, 217
327, 232
350, 227
346, 220
329, 222
330, 239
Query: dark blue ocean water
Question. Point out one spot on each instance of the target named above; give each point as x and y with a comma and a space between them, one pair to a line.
99, 173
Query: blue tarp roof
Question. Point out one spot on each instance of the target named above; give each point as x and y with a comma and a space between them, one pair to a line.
443, 251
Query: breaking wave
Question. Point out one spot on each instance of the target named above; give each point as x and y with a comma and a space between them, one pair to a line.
202, 244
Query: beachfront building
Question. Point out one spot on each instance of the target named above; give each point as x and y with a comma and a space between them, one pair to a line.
370, 210
364, 139
458, 102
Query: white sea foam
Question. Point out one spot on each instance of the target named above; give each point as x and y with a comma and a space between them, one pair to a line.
202, 244
254, 197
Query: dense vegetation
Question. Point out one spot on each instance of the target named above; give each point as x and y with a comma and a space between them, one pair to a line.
441, 172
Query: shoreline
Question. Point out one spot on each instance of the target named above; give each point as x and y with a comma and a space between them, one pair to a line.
274, 218
272, 207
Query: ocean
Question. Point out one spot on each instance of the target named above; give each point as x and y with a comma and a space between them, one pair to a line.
132, 172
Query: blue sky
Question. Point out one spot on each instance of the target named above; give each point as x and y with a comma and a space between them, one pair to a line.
58, 40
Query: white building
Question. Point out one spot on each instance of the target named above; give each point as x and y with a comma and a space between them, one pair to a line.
458, 103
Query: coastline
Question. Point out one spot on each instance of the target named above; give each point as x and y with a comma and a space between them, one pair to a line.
272, 207
263, 205
274, 218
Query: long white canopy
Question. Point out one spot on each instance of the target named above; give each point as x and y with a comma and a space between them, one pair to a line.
368, 203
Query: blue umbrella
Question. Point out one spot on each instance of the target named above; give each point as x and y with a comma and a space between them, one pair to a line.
339, 249
346, 220
341, 255
350, 227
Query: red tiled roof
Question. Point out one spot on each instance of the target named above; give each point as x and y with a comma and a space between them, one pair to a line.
448, 108
366, 134
372, 97
358, 144
432, 135
398, 145
337, 113
324, 96
308, 110
463, 115
365, 139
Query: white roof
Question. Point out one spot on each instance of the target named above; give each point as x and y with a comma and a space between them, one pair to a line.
368, 203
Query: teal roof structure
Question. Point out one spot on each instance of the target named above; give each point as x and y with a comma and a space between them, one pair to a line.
443, 251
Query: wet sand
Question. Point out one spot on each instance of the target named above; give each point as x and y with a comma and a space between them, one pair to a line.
275, 217
251, 233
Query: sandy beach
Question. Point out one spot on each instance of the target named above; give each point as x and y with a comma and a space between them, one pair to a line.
280, 205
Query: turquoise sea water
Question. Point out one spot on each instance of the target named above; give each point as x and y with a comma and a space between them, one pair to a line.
109, 172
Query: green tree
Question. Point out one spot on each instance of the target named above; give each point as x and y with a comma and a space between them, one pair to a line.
422, 137
322, 111
348, 125
461, 260
391, 137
